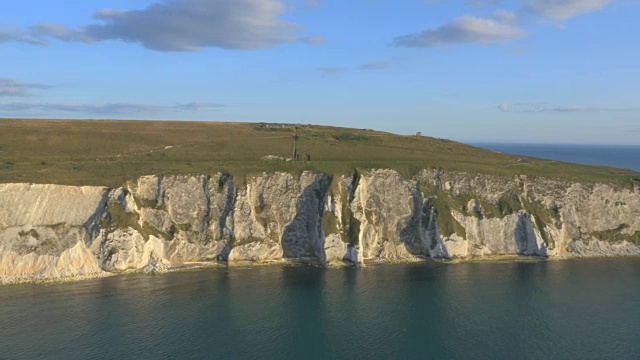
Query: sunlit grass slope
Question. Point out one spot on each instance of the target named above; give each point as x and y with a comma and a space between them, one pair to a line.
101, 152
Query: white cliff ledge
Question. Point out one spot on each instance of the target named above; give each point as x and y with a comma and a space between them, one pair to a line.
156, 223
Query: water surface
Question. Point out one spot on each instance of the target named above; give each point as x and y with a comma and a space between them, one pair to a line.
625, 157
581, 309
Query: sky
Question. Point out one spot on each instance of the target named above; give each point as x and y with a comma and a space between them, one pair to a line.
528, 71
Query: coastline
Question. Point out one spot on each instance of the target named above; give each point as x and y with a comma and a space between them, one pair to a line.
220, 265
162, 223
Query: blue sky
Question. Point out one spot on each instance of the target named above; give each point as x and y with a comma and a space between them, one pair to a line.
530, 71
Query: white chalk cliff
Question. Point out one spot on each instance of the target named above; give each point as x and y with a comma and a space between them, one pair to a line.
156, 222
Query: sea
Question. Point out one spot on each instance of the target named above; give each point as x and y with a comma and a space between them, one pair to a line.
570, 309
518, 309
620, 156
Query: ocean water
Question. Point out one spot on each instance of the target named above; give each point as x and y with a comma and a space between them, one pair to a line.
573, 309
626, 157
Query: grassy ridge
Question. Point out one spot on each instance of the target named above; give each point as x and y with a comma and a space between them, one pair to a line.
105, 152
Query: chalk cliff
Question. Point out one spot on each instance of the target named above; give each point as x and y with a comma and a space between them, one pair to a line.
158, 222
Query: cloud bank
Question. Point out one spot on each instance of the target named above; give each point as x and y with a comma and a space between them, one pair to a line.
331, 70
194, 25
102, 109
11, 87
313, 40
543, 108
502, 25
184, 25
499, 27
10, 33
564, 9
376, 65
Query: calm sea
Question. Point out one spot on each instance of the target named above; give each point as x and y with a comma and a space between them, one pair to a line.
573, 309
626, 157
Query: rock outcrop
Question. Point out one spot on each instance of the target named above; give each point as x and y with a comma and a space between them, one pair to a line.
156, 222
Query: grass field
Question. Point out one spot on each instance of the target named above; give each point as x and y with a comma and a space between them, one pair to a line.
105, 152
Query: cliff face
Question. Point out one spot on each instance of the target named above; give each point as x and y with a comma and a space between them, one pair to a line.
154, 223
46, 230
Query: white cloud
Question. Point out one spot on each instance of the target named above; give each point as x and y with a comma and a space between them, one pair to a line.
543, 108
42, 31
376, 65
583, 109
186, 25
11, 87
483, 3
504, 107
313, 40
564, 9
331, 70
101, 109
502, 25
10, 33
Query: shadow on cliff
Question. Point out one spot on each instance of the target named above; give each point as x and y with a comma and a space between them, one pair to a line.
225, 181
414, 234
302, 239
526, 239
92, 225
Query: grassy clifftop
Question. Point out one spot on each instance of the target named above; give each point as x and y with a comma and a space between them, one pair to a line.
102, 152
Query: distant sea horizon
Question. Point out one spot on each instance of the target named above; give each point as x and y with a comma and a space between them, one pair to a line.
619, 156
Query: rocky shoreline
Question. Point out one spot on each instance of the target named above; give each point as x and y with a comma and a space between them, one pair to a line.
202, 266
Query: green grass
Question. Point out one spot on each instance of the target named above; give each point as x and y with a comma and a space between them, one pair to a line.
109, 153
330, 224
350, 230
506, 205
33, 233
444, 203
615, 235
119, 218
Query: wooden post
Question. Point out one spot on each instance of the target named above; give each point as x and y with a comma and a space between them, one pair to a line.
295, 144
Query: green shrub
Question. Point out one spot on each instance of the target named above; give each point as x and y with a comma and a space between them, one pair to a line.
616, 235
330, 223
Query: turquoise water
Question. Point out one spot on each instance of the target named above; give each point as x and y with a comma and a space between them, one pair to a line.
626, 157
579, 309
